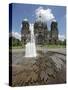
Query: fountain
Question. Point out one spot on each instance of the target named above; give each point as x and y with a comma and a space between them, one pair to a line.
30, 47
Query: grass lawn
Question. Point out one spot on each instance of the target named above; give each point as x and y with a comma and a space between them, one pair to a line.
53, 46
43, 46
17, 47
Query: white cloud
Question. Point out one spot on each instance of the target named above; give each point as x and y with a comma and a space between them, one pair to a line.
16, 35
61, 37
45, 14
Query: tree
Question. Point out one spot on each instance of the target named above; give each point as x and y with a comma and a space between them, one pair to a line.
64, 42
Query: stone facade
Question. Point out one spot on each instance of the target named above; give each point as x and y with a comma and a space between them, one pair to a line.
41, 32
25, 32
54, 32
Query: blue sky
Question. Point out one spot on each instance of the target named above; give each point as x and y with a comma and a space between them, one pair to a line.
21, 11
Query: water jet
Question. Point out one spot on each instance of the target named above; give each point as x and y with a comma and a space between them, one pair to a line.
30, 47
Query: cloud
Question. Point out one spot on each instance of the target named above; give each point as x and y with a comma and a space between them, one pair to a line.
16, 35
61, 37
44, 15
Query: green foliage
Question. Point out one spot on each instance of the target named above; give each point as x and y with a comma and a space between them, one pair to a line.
13, 42
62, 42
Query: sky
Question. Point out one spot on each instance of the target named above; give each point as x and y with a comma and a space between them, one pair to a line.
32, 12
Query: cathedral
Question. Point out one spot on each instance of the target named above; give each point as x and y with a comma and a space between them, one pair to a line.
41, 32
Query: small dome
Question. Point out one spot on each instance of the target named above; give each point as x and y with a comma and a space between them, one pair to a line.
25, 19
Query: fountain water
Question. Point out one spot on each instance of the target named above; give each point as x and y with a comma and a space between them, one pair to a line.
30, 48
